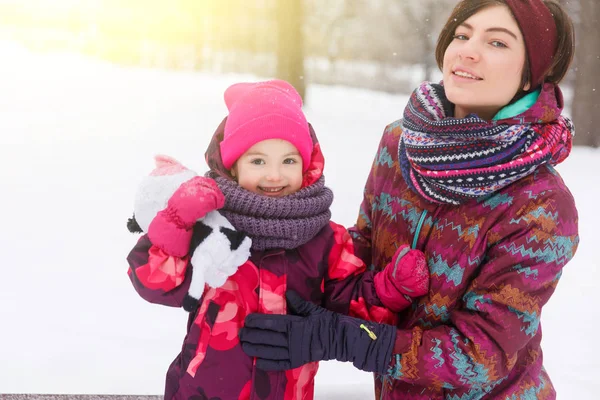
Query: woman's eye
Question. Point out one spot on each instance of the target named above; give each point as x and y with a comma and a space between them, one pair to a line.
461, 37
257, 161
289, 161
498, 44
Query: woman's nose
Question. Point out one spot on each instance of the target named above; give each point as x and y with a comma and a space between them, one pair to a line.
470, 50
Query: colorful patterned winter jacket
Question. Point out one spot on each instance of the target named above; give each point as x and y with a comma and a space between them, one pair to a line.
493, 263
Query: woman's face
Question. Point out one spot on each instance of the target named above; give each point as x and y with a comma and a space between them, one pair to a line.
484, 63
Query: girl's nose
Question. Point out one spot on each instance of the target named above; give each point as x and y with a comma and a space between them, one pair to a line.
273, 174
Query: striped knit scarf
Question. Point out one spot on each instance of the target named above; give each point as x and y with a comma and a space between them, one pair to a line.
453, 160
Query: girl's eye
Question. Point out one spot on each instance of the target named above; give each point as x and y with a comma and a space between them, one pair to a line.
289, 161
257, 161
461, 37
498, 44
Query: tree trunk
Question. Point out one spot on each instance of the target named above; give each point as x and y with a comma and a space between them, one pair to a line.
428, 43
290, 44
586, 98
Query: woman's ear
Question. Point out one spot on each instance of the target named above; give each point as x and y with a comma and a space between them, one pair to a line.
527, 86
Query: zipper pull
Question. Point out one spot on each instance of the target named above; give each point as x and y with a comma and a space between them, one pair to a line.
370, 332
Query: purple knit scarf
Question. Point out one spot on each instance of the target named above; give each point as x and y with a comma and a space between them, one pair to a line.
283, 222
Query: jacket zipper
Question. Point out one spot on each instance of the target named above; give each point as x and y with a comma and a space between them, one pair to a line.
418, 230
413, 246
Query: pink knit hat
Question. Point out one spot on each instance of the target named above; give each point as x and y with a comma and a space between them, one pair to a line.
261, 111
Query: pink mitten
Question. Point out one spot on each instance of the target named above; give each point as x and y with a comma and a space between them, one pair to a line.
403, 279
171, 229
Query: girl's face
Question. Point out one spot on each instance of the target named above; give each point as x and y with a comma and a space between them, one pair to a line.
272, 168
484, 63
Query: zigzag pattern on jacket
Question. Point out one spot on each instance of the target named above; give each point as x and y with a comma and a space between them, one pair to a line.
494, 263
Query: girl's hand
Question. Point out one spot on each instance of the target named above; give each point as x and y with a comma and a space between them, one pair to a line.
171, 229
193, 200
403, 279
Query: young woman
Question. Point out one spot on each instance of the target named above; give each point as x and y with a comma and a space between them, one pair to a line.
467, 176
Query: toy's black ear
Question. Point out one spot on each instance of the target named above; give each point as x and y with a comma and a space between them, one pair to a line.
201, 232
133, 226
235, 237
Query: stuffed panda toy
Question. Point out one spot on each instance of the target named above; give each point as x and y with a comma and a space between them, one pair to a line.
217, 249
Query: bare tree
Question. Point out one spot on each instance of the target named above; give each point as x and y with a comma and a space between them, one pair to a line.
586, 98
423, 21
290, 46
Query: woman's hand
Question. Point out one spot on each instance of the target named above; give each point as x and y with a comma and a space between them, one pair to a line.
281, 342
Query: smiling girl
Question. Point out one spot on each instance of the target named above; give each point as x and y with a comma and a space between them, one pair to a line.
468, 176
266, 161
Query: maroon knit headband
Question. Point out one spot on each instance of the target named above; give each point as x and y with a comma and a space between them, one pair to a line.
539, 32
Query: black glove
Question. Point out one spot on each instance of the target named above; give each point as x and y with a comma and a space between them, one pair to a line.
281, 342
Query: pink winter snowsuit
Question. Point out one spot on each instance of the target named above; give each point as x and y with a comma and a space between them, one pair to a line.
211, 364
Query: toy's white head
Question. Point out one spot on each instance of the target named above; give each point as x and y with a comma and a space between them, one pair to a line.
156, 189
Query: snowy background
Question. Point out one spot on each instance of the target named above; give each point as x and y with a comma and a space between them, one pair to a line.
77, 135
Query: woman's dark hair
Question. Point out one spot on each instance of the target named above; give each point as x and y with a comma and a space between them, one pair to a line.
565, 48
